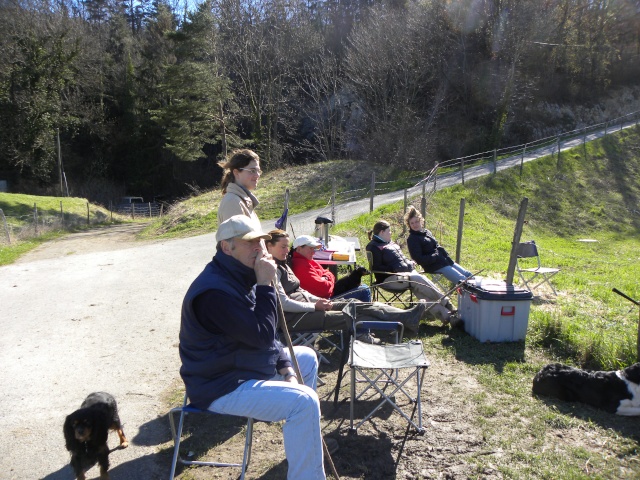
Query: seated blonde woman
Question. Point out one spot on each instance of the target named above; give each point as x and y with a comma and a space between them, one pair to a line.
425, 251
397, 270
306, 312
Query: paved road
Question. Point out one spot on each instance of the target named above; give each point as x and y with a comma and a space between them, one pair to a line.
107, 320
81, 323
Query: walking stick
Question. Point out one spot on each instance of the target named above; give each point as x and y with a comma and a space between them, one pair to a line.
636, 302
294, 361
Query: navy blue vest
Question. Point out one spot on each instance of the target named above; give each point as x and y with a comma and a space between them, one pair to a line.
214, 364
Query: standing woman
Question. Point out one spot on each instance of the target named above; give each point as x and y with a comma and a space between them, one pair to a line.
242, 171
425, 251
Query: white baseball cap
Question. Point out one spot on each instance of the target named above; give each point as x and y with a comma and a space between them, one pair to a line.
240, 226
303, 240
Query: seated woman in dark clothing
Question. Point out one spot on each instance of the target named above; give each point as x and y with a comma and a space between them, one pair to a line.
425, 251
395, 270
305, 312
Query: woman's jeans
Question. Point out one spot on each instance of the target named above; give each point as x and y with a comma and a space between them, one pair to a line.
454, 273
362, 293
298, 405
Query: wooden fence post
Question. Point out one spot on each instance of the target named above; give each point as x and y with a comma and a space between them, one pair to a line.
373, 190
517, 233
6, 227
35, 218
558, 158
495, 161
462, 170
423, 201
435, 178
404, 226
524, 150
460, 228
606, 124
286, 208
133, 211
88, 221
638, 304
333, 201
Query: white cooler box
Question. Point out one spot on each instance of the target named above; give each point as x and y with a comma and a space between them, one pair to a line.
493, 311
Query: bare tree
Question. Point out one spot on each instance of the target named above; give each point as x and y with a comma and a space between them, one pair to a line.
394, 65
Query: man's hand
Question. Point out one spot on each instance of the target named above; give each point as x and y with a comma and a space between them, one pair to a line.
265, 268
289, 375
323, 305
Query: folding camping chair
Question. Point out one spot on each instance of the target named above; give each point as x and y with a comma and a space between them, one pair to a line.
378, 367
186, 409
387, 293
529, 250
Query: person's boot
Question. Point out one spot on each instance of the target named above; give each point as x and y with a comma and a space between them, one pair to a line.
410, 318
446, 302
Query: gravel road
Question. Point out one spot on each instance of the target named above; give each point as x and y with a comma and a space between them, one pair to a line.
82, 322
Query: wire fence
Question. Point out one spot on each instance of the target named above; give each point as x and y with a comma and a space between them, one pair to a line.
138, 209
450, 172
20, 227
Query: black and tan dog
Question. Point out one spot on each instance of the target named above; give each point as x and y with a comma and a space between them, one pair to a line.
86, 431
615, 391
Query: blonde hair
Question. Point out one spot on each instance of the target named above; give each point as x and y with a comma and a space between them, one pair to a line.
412, 213
237, 159
378, 227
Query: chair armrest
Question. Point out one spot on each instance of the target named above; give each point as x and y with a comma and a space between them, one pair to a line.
380, 325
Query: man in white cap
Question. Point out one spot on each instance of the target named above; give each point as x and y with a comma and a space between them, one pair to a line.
232, 362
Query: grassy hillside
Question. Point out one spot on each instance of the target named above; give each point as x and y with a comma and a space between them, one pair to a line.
591, 193
19, 212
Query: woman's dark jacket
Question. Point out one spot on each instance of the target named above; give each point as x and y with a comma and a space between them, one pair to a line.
387, 257
425, 251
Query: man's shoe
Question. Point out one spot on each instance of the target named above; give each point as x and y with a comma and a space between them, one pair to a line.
368, 338
413, 324
332, 445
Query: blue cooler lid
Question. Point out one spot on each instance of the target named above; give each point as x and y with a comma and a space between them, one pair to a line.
498, 291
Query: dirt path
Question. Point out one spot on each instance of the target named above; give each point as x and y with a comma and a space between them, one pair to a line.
101, 239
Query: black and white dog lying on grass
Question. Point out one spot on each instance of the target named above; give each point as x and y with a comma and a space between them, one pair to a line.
615, 392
